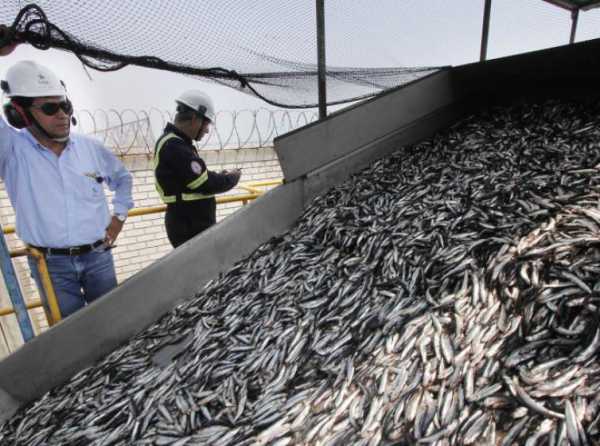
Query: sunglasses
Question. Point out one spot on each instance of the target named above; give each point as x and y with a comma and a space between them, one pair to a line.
51, 108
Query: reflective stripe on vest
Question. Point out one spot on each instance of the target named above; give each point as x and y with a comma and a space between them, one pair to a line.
198, 181
195, 183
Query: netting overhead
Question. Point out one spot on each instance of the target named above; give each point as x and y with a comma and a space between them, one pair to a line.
576, 4
268, 48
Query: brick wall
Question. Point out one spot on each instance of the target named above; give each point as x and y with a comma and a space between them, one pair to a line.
143, 239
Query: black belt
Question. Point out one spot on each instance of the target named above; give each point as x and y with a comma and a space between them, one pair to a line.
72, 251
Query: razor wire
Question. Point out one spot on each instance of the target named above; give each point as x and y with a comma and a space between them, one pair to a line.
134, 132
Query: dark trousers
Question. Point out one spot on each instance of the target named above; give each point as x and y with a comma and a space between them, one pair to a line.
181, 226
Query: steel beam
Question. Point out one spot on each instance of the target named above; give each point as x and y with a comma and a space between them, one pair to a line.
485, 31
574, 19
322, 67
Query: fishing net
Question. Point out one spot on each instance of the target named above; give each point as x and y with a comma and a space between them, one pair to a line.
269, 49
225, 42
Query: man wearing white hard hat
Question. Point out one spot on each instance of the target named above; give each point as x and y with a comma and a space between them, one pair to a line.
183, 181
55, 181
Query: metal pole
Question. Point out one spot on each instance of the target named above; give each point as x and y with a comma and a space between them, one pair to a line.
53, 316
14, 291
485, 32
321, 59
574, 19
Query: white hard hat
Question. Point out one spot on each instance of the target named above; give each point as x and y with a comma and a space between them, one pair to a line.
32, 80
198, 101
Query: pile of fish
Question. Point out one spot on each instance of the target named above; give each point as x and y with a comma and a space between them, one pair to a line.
446, 295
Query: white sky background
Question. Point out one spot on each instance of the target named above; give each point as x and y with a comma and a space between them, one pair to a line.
419, 33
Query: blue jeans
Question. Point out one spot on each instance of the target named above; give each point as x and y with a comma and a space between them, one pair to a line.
77, 280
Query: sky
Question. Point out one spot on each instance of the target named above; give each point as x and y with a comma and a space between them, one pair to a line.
416, 33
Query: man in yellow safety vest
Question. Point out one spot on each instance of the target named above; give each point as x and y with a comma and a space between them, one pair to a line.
183, 181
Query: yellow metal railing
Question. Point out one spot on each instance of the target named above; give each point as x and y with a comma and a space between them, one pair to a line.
35, 303
53, 315
52, 312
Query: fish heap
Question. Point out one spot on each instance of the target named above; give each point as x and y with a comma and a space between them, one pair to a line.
446, 295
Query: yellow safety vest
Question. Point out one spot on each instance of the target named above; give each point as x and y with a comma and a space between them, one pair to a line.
192, 185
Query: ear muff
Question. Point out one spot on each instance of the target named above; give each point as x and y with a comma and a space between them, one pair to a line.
16, 116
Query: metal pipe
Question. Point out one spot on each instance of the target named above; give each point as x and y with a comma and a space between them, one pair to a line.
5, 311
54, 315
14, 291
240, 197
18, 252
264, 183
485, 32
321, 59
147, 210
254, 186
250, 189
574, 20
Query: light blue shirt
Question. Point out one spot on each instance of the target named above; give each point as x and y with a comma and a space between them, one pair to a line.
58, 203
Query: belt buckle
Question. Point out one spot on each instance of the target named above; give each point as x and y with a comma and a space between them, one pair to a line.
74, 251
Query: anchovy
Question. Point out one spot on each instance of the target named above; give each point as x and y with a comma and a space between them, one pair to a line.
447, 294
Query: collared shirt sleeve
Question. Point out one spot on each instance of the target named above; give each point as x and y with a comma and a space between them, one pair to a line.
118, 179
7, 145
